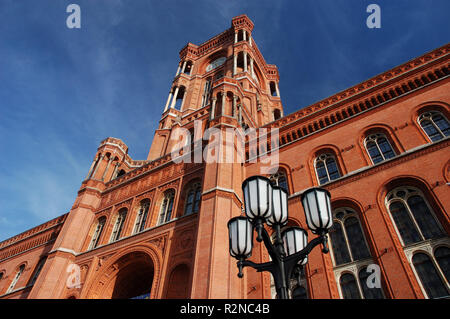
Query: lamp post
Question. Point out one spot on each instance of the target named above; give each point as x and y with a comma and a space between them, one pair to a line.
265, 203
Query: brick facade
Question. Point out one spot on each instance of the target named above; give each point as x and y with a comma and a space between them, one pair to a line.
226, 83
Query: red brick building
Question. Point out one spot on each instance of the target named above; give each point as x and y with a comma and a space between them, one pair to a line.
159, 226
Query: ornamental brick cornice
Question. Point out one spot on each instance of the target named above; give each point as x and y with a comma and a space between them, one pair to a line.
197, 114
125, 204
34, 231
222, 192
91, 190
195, 52
367, 87
115, 142
146, 180
38, 236
402, 158
81, 205
242, 22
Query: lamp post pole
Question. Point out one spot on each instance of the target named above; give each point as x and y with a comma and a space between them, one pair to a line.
265, 203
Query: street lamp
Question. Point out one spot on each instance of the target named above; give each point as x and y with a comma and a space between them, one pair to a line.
258, 201
265, 203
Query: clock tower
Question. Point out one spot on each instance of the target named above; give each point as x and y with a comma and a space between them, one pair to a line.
221, 84
224, 79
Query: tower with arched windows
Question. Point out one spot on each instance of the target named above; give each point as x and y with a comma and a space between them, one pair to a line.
157, 228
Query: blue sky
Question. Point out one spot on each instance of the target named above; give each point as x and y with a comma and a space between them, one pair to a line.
64, 90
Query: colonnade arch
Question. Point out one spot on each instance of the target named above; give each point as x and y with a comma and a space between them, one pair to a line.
131, 273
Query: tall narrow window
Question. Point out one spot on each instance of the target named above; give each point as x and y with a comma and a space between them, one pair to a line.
349, 287
206, 92
368, 292
166, 207
378, 148
97, 233
273, 89
141, 217
118, 225
37, 271
347, 238
413, 217
442, 255
193, 199
435, 125
429, 276
326, 168
16, 279
276, 114
188, 68
420, 231
341, 252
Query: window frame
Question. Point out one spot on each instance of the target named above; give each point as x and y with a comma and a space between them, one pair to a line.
196, 189
275, 179
118, 225
421, 117
374, 138
348, 213
16, 278
354, 269
323, 158
416, 191
141, 216
426, 246
169, 195
37, 271
101, 221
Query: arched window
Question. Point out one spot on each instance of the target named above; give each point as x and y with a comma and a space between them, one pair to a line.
276, 114
442, 255
179, 98
420, 231
349, 287
412, 215
279, 179
356, 287
97, 233
37, 271
347, 238
351, 255
326, 168
120, 173
273, 89
193, 199
16, 278
206, 92
368, 292
141, 217
118, 225
429, 276
188, 68
166, 207
378, 147
435, 125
